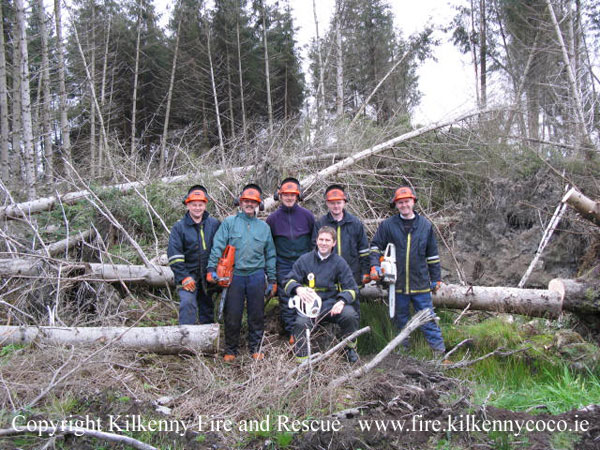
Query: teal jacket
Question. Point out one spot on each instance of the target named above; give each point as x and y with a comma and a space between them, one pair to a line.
254, 247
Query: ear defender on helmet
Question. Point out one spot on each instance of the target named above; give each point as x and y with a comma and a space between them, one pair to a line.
289, 186
251, 192
336, 192
403, 192
196, 193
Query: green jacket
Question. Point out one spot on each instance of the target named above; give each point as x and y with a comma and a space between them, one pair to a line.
254, 247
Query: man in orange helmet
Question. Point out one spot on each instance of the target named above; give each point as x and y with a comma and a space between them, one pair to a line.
254, 258
417, 263
291, 227
190, 243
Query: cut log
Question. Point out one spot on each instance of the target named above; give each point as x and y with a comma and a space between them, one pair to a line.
157, 276
528, 302
164, 340
587, 207
577, 296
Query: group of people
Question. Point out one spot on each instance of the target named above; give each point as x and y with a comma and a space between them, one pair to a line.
294, 255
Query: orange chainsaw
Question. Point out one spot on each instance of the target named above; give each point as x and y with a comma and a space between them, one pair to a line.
225, 275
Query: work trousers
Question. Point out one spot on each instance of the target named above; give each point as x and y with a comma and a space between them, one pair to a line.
195, 307
287, 314
431, 330
347, 320
249, 289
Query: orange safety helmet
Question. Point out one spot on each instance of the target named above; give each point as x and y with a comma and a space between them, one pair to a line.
196, 193
336, 192
289, 186
251, 192
403, 192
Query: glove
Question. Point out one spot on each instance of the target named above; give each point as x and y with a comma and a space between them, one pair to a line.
435, 286
271, 290
211, 277
366, 278
376, 273
188, 284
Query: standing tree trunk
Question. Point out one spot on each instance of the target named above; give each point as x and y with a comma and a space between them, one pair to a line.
340, 61
4, 130
101, 148
163, 143
242, 102
230, 94
321, 88
215, 97
135, 78
483, 53
267, 74
474, 53
28, 159
65, 129
46, 126
93, 156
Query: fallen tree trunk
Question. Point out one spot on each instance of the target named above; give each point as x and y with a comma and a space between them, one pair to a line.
157, 276
70, 242
585, 206
529, 302
165, 340
561, 295
24, 209
577, 295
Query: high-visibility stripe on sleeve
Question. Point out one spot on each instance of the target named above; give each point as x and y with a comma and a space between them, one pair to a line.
375, 249
364, 252
288, 283
433, 259
352, 293
176, 257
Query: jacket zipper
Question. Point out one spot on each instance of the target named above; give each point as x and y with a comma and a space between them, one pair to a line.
407, 268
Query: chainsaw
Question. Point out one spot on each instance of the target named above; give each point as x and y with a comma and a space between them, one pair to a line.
309, 309
389, 274
225, 275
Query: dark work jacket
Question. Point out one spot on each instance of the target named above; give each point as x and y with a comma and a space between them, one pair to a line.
332, 277
417, 257
352, 243
291, 229
189, 247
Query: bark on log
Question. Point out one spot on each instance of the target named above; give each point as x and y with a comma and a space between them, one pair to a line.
587, 207
164, 340
529, 302
577, 296
70, 242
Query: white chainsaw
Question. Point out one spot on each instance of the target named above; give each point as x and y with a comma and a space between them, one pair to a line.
310, 308
389, 274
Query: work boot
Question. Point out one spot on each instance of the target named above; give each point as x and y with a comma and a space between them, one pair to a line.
258, 356
351, 355
229, 358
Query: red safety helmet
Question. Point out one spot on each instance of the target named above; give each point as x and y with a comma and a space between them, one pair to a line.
403, 192
289, 186
251, 192
336, 192
196, 193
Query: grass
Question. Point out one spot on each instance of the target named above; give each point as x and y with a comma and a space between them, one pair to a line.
540, 376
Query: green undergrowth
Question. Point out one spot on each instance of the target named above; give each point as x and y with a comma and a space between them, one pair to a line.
552, 372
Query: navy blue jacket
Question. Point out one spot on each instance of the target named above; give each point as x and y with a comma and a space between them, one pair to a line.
352, 243
417, 257
291, 229
189, 247
332, 277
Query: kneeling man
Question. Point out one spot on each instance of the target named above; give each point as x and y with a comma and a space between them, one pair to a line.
329, 275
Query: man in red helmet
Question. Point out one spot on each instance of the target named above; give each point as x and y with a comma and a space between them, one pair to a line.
190, 243
291, 227
254, 258
417, 263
